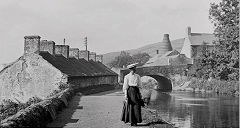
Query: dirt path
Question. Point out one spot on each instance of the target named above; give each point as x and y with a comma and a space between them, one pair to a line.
102, 110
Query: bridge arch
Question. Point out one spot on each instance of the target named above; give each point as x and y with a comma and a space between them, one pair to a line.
164, 83
162, 74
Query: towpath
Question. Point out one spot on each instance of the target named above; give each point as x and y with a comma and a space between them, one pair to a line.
102, 110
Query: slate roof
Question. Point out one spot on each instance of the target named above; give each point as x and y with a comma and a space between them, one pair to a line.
164, 59
77, 67
201, 38
158, 62
171, 53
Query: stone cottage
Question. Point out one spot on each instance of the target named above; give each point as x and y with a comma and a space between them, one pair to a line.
45, 66
194, 43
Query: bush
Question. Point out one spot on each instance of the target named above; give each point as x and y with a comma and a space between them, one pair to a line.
61, 87
8, 107
178, 80
218, 86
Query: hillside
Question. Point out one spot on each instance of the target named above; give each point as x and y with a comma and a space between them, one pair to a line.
150, 49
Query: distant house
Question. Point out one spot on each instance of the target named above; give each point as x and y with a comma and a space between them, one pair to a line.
45, 66
169, 58
194, 42
192, 48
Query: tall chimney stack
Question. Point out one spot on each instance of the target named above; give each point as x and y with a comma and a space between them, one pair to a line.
188, 31
99, 58
48, 46
165, 45
74, 52
83, 54
92, 56
32, 44
62, 49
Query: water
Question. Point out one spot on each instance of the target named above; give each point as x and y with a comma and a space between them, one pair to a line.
196, 110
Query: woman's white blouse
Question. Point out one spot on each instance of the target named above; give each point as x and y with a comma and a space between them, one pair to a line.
131, 80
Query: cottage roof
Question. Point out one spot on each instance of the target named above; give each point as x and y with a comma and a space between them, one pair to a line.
158, 62
171, 53
76, 67
164, 59
202, 38
158, 57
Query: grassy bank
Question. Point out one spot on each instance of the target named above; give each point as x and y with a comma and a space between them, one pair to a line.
154, 120
218, 86
9, 108
39, 114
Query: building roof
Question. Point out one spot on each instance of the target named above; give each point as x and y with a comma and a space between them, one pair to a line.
158, 62
202, 38
158, 56
166, 60
171, 53
77, 67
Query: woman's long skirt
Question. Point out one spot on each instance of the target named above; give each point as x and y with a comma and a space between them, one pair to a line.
132, 107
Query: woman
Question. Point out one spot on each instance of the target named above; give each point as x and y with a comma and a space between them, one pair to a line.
132, 109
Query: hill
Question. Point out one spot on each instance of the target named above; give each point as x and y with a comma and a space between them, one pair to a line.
150, 49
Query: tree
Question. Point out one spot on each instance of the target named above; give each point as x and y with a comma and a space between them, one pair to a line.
223, 61
122, 60
140, 58
125, 59
225, 17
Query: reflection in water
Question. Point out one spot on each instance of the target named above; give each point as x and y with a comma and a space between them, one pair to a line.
196, 110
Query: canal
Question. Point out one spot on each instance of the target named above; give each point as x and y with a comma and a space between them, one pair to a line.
196, 110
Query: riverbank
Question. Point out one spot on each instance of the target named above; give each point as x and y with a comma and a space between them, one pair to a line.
230, 88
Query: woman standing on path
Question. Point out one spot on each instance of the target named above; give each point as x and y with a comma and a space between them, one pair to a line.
132, 110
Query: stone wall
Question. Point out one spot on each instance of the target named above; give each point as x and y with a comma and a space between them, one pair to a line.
197, 50
82, 82
29, 76
38, 115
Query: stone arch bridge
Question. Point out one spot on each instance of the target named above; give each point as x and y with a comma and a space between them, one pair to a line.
163, 74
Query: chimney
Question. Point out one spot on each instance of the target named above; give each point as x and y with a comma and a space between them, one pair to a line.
62, 49
99, 58
83, 54
48, 46
188, 31
74, 52
92, 56
32, 44
157, 51
165, 45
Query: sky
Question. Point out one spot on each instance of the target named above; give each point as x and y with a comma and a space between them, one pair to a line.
110, 25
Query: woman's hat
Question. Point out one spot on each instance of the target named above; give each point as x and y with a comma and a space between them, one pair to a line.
132, 65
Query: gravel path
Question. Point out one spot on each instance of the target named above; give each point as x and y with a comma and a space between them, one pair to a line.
102, 110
